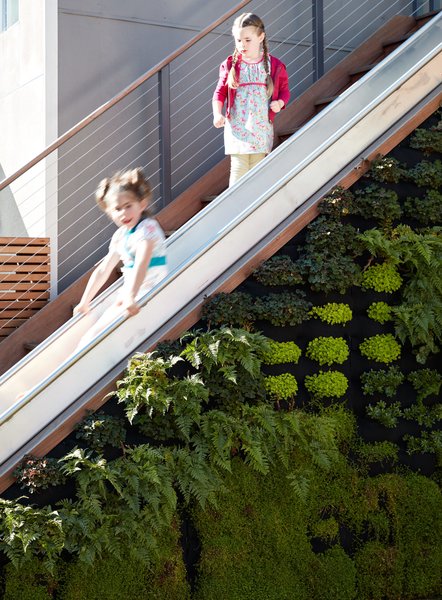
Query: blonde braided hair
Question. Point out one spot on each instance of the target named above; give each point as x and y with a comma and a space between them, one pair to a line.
250, 20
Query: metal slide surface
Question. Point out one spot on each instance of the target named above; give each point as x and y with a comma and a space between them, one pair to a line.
53, 377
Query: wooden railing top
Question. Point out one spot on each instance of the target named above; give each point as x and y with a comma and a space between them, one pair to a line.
121, 95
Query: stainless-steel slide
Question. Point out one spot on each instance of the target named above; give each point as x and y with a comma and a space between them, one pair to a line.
44, 388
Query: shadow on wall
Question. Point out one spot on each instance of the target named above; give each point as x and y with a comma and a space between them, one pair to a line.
11, 222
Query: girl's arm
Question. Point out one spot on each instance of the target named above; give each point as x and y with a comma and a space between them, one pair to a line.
218, 117
98, 278
143, 254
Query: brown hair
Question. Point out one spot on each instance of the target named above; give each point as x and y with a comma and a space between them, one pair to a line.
250, 20
124, 181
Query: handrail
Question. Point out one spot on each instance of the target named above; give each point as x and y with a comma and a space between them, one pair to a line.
113, 101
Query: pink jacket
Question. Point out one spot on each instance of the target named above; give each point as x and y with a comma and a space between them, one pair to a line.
277, 71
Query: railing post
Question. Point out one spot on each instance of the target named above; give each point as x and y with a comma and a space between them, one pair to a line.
165, 144
318, 38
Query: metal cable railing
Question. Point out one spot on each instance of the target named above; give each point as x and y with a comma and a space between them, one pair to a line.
158, 124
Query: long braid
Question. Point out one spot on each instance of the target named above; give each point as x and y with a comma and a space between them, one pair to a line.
269, 80
232, 82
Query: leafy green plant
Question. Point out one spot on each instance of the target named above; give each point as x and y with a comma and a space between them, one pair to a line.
427, 174
281, 387
326, 529
328, 384
333, 313
418, 317
327, 260
382, 381
381, 348
337, 204
429, 442
379, 203
427, 140
386, 169
34, 473
383, 277
426, 210
281, 352
426, 382
328, 350
380, 312
278, 270
287, 308
98, 430
386, 414
426, 416
381, 452
235, 310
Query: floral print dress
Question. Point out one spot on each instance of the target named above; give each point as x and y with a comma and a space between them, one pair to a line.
248, 129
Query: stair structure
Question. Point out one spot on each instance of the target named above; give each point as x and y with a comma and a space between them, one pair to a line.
220, 246
396, 32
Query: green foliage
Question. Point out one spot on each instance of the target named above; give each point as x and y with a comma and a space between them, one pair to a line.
281, 387
99, 430
427, 174
326, 529
327, 260
426, 382
378, 452
382, 381
328, 384
333, 313
337, 204
380, 312
427, 140
383, 277
379, 203
381, 348
429, 442
426, 416
386, 169
334, 576
281, 352
287, 308
234, 309
30, 583
34, 473
278, 270
426, 210
328, 350
386, 414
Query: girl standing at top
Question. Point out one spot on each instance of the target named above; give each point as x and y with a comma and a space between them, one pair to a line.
139, 243
254, 86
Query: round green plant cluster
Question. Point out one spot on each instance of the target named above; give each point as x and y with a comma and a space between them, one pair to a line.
381, 348
386, 169
281, 352
333, 313
382, 381
328, 350
380, 312
386, 414
281, 387
278, 270
381, 278
328, 384
426, 210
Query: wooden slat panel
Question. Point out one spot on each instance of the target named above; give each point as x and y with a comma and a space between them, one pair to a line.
22, 260
24, 268
12, 322
23, 287
24, 295
25, 312
24, 277
18, 304
18, 250
24, 240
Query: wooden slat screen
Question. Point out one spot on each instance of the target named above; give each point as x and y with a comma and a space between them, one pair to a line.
24, 280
